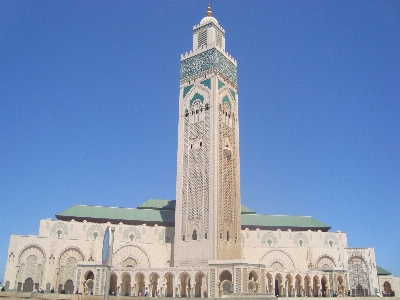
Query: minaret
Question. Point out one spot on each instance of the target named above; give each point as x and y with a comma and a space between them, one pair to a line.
207, 217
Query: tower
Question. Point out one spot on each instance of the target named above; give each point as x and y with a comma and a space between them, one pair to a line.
207, 215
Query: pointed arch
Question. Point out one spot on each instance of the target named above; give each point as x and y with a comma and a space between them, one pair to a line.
131, 234
125, 284
75, 252
331, 240
225, 100
325, 261
269, 239
278, 256
200, 284
300, 240
169, 278
135, 252
59, 230
198, 92
32, 249
95, 232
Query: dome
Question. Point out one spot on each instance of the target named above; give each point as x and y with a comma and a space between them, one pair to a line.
207, 19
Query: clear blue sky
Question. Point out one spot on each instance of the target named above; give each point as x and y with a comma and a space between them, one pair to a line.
89, 109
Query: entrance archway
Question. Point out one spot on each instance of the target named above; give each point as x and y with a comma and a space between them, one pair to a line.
153, 284
359, 290
69, 287
126, 285
89, 283
324, 287
298, 287
200, 289
358, 276
307, 286
169, 285
278, 285
226, 283
316, 286
253, 282
113, 284
28, 285
139, 284
185, 285
387, 287
340, 285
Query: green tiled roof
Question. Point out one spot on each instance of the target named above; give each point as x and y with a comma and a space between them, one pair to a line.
170, 205
382, 271
158, 211
245, 210
282, 222
117, 214
158, 204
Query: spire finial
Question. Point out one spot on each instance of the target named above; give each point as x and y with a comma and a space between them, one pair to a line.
209, 12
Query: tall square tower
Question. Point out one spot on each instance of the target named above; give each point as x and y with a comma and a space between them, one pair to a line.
207, 217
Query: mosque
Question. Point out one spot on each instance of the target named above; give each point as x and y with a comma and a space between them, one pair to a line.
205, 243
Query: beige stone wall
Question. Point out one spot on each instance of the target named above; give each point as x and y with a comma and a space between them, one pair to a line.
389, 282
53, 256
20, 296
302, 262
228, 175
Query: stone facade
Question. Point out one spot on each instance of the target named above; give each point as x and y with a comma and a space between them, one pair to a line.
66, 255
208, 188
206, 251
389, 284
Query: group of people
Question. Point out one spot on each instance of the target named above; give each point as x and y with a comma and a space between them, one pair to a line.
335, 294
386, 294
146, 294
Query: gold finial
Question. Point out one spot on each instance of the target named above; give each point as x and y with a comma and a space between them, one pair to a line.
209, 12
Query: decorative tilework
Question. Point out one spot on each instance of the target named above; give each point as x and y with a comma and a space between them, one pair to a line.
206, 83
212, 282
196, 96
238, 281
269, 239
207, 60
186, 90
220, 84
226, 99
300, 240
233, 94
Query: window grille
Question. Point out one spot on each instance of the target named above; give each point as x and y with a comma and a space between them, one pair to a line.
219, 39
202, 38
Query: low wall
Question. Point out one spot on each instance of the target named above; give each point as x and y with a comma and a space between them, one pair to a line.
21, 296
